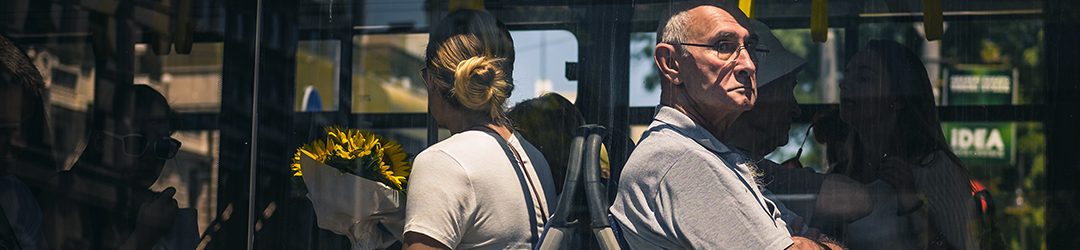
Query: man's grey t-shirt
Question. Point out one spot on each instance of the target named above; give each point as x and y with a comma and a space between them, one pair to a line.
683, 189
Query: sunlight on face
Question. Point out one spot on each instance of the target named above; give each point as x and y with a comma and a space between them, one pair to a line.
718, 84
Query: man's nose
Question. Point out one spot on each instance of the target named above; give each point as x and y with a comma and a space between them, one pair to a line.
743, 63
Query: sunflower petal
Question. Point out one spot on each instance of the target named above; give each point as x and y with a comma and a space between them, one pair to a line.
361, 153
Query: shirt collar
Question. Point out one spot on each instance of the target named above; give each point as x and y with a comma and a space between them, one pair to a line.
665, 115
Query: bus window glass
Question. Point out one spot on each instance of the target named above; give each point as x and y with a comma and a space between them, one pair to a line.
317, 75
386, 73
644, 77
539, 64
976, 62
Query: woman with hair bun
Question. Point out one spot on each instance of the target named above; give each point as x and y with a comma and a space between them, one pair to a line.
485, 187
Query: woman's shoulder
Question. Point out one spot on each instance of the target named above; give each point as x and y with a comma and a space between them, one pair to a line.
463, 149
465, 139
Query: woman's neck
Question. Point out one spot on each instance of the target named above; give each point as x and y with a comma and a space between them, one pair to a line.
502, 131
480, 124
877, 143
879, 136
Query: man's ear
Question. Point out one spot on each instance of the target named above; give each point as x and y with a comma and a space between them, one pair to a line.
665, 55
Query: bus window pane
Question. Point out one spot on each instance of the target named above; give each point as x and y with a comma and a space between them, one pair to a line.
317, 75
975, 62
644, 77
386, 73
191, 82
539, 64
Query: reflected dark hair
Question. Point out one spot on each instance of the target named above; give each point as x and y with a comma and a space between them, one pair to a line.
17, 68
909, 83
126, 98
470, 58
919, 131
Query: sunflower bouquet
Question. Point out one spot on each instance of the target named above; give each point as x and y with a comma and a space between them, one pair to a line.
360, 153
356, 182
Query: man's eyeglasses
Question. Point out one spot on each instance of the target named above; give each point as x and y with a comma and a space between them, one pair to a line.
728, 50
136, 145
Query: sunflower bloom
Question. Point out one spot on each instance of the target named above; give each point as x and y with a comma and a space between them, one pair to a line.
360, 153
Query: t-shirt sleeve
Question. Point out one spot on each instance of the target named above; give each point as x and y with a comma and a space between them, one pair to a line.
440, 201
711, 208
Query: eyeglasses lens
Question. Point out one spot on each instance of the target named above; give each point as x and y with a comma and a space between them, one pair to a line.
134, 144
166, 148
727, 50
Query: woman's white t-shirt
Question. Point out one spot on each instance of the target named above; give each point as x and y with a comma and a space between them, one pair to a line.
465, 193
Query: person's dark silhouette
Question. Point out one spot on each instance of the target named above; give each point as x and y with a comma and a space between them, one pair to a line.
104, 201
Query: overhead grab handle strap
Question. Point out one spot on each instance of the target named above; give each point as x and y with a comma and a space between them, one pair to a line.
819, 20
466, 5
747, 7
932, 20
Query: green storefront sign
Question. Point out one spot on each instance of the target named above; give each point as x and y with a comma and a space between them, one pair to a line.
974, 85
980, 143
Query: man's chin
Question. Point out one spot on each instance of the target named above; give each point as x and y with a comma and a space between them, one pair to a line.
746, 105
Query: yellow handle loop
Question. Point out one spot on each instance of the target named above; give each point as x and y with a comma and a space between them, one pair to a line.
819, 20
747, 7
466, 5
932, 20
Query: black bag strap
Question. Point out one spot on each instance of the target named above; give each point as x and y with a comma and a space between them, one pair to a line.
524, 178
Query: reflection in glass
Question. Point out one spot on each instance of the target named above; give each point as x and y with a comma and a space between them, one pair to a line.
317, 72
540, 64
386, 76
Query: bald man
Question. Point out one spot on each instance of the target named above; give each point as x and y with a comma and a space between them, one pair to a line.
682, 188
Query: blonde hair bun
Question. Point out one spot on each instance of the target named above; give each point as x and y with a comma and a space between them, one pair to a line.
481, 84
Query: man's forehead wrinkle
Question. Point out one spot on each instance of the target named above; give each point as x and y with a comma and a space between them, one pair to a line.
717, 23
698, 24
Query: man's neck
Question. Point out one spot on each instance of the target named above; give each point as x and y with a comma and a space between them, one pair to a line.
747, 139
717, 127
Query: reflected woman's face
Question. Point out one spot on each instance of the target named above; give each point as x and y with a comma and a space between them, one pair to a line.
129, 146
865, 95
